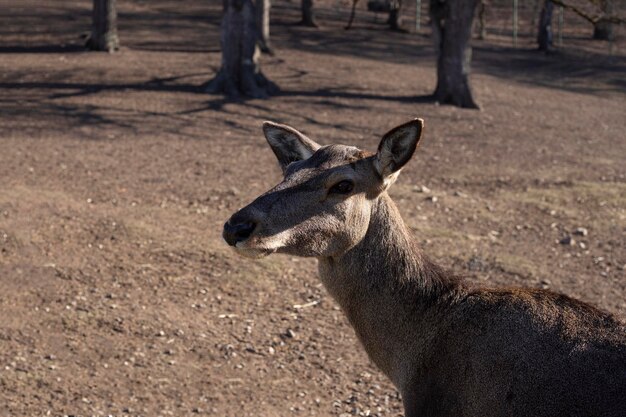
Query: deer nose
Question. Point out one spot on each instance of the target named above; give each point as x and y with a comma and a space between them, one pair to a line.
235, 232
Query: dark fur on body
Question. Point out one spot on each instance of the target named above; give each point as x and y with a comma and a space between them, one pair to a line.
451, 349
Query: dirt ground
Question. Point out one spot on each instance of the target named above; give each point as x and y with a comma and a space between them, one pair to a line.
118, 295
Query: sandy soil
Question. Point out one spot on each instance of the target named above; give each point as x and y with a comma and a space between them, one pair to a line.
117, 294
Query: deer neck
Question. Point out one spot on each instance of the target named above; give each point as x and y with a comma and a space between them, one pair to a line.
388, 289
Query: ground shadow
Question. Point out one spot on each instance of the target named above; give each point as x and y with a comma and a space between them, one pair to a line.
564, 69
166, 84
41, 49
160, 26
337, 93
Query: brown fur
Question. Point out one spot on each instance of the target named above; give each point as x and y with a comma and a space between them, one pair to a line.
451, 349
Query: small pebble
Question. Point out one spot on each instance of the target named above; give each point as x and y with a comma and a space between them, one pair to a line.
421, 189
581, 231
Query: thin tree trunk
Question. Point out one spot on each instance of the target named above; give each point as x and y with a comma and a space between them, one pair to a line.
533, 18
104, 26
482, 24
308, 14
240, 73
352, 14
544, 36
452, 31
603, 29
395, 16
263, 24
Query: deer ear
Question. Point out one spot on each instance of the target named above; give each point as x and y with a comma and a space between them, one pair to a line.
288, 144
396, 148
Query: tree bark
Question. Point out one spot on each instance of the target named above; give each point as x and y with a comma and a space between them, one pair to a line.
104, 26
240, 73
308, 14
603, 28
395, 16
452, 31
263, 24
544, 36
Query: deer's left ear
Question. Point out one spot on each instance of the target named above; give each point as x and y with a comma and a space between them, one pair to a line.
288, 144
396, 149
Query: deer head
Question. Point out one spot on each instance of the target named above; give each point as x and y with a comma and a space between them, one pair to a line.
322, 207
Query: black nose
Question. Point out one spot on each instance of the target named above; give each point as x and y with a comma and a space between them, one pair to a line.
237, 231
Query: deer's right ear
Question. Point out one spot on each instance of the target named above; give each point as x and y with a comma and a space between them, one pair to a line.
288, 144
396, 148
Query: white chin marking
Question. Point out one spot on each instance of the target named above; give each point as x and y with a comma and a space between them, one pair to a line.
260, 247
253, 253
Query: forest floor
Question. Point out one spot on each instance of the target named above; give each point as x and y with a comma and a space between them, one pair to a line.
118, 295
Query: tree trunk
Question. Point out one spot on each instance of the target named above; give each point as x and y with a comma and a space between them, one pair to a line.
263, 24
482, 24
603, 29
308, 14
535, 12
240, 73
352, 13
452, 31
395, 16
104, 27
544, 36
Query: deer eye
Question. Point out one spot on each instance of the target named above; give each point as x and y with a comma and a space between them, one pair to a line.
342, 187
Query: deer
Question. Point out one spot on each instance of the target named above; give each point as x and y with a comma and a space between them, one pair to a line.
451, 348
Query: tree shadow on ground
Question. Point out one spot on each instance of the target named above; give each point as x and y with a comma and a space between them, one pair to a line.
41, 49
326, 97
328, 93
75, 89
48, 101
564, 69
